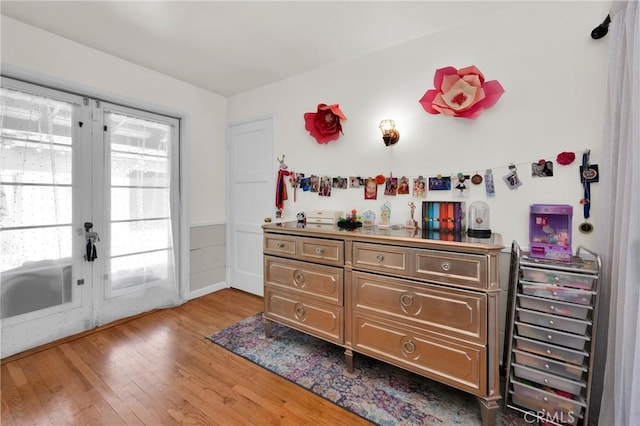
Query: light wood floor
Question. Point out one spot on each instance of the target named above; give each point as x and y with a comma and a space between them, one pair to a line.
159, 369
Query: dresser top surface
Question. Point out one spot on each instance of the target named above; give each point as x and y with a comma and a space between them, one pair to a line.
414, 237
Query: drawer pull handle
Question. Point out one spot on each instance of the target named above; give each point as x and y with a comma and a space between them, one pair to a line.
546, 380
300, 311
299, 278
409, 347
406, 300
555, 293
380, 257
550, 337
280, 244
545, 399
548, 351
446, 266
319, 250
547, 365
552, 307
550, 322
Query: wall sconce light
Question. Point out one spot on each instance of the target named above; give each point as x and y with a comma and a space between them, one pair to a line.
389, 133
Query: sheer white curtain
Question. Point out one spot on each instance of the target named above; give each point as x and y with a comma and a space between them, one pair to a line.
36, 160
620, 239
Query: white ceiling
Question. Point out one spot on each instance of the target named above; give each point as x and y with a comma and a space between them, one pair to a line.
230, 47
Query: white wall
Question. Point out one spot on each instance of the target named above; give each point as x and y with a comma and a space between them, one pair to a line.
541, 52
31, 53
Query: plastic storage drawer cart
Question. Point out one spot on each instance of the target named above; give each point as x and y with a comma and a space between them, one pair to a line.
550, 339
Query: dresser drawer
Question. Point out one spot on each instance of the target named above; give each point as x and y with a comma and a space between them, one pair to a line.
570, 371
468, 270
316, 318
458, 313
324, 216
319, 281
381, 258
283, 245
568, 340
554, 307
447, 360
321, 250
553, 351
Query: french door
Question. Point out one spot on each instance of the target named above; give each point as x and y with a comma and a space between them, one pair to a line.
88, 213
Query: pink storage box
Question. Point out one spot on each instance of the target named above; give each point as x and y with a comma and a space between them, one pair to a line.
550, 231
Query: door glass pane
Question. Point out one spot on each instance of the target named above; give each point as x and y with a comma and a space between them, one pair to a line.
35, 202
141, 242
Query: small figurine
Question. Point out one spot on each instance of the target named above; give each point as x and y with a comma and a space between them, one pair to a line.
411, 223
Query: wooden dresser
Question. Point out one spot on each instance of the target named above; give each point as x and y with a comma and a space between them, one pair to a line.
428, 306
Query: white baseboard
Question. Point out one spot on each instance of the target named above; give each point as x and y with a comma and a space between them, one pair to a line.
206, 290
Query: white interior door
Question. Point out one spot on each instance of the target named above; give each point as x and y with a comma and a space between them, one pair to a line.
250, 198
66, 161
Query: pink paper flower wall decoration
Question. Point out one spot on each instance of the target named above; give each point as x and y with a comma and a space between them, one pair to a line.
324, 125
461, 93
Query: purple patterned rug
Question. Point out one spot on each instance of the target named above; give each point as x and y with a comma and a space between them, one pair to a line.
378, 392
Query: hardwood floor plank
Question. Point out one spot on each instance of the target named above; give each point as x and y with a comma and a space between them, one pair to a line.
159, 369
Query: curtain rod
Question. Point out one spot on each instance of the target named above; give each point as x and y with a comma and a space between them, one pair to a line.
602, 29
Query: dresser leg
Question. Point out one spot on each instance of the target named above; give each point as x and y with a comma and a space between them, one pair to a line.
267, 327
489, 411
348, 358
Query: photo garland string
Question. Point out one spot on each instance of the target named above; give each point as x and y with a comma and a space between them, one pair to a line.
458, 183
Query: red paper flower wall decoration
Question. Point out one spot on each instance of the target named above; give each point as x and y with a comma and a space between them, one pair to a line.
324, 125
461, 93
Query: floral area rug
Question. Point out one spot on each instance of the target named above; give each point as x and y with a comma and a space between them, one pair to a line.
378, 392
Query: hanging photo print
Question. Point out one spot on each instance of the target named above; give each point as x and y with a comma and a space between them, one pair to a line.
542, 168
391, 186
370, 189
339, 182
440, 183
325, 187
511, 179
403, 187
419, 187
489, 187
314, 183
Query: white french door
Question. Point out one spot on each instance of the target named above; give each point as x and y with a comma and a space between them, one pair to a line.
88, 213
